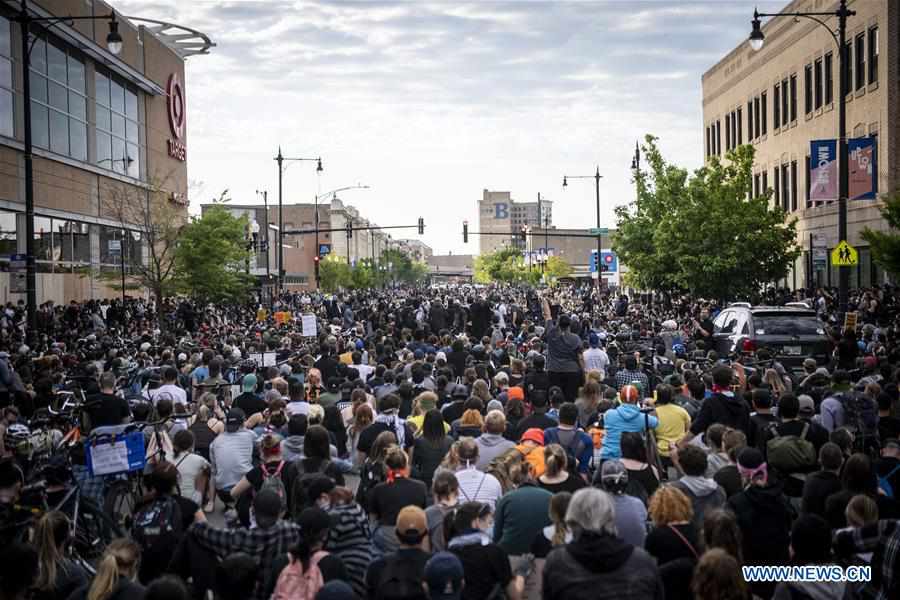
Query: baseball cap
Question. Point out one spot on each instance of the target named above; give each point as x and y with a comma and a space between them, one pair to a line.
807, 405
440, 356
249, 383
444, 575
594, 340
502, 376
235, 419
515, 393
810, 364
533, 435
419, 354
412, 525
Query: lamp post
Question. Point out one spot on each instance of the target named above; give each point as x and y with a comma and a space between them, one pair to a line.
114, 45
280, 160
265, 196
596, 177
756, 42
332, 193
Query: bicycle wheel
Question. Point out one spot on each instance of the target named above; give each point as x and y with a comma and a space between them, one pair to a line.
94, 530
119, 504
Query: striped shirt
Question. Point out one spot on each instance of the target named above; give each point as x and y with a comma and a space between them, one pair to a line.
350, 538
475, 486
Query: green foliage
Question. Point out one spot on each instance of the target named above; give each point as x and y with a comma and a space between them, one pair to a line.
885, 245
700, 232
212, 257
557, 268
403, 269
504, 265
334, 273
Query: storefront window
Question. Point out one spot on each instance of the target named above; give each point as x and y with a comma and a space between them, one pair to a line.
8, 244
58, 102
130, 243
73, 240
6, 86
118, 139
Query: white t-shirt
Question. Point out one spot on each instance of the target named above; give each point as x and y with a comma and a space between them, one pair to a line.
189, 467
169, 390
297, 408
595, 359
364, 371
476, 486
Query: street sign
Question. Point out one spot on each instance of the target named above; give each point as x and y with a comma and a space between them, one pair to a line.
18, 262
324, 249
844, 255
599, 231
819, 258
115, 246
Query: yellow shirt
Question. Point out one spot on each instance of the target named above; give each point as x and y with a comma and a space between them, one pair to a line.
674, 423
419, 421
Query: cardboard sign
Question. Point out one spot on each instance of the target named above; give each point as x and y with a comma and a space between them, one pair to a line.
309, 325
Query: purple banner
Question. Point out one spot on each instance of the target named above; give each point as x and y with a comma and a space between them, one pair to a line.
823, 171
863, 171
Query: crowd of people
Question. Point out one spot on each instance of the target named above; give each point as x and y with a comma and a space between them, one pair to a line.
450, 442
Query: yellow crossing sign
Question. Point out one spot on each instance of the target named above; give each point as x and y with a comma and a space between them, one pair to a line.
844, 255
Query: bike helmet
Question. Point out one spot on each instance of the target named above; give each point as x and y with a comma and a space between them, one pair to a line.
679, 350
17, 438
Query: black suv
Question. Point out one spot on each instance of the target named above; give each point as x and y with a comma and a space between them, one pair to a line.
792, 333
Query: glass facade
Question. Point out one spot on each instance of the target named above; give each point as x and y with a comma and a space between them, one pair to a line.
118, 140
6, 81
61, 244
58, 100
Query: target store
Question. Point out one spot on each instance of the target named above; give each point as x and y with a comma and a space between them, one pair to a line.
110, 144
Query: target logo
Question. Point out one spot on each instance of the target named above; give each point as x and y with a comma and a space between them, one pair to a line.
175, 104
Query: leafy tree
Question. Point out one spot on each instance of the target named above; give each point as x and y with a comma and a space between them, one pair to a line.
557, 268
362, 276
402, 268
506, 265
700, 232
885, 245
212, 257
334, 273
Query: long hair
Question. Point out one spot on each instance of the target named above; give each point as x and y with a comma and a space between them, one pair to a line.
362, 418
51, 536
555, 459
120, 560
433, 426
559, 504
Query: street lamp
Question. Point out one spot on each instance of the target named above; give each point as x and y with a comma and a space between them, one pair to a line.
757, 40
332, 193
114, 45
265, 242
280, 159
596, 177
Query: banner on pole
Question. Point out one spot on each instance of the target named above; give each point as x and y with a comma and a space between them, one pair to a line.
823, 171
862, 166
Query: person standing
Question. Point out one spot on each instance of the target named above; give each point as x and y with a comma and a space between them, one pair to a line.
564, 359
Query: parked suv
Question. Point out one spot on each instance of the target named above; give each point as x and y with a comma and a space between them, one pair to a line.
792, 333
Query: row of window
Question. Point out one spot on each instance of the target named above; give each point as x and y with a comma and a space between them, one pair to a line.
59, 106
862, 69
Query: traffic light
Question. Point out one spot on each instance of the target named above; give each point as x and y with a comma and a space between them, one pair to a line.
316, 267
421, 226
465, 232
349, 229
524, 234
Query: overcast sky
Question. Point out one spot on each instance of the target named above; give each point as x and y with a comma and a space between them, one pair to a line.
432, 102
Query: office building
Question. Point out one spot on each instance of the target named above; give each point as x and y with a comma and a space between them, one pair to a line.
501, 219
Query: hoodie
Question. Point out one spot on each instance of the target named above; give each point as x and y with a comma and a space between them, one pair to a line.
292, 448
600, 552
725, 408
616, 421
490, 446
764, 515
705, 495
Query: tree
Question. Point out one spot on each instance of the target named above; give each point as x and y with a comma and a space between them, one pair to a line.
504, 265
885, 245
150, 215
557, 268
212, 257
334, 273
701, 232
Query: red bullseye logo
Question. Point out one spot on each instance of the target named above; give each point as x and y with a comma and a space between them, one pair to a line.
175, 104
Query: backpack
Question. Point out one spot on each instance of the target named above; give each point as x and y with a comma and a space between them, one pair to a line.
158, 520
398, 581
884, 483
273, 481
790, 453
296, 584
860, 417
573, 449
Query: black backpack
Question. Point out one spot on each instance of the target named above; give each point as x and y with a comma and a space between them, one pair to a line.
157, 521
861, 417
399, 581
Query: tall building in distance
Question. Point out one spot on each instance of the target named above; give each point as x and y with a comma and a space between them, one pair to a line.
503, 218
785, 96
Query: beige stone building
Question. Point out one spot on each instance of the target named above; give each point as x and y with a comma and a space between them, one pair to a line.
784, 96
107, 131
498, 213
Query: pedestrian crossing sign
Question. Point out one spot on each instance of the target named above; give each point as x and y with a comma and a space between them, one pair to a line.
844, 255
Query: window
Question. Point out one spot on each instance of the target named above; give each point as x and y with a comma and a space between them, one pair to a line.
58, 101
8, 243
785, 189
784, 102
794, 97
808, 88
118, 142
130, 242
6, 81
756, 185
764, 103
756, 116
740, 120
829, 78
817, 96
749, 120
848, 67
873, 54
765, 182
808, 183
776, 107
61, 244
727, 132
793, 185
777, 186
718, 137
708, 142
860, 65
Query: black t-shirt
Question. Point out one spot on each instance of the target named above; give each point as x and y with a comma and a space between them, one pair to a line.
759, 428
539, 420
457, 360
665, 545
250, 403
155, 560
411, 560
719, 408
571, 485
888, 427
485, 568
108, 411
816, 489
386, 500
368, 435
328, 366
